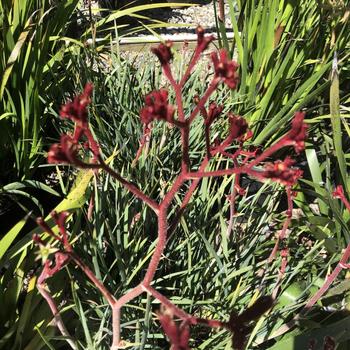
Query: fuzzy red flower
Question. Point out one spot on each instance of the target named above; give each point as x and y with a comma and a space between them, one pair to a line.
76, 109
163, 52
225, 68
298, 132
238, 127
50, 268
157, 107
282, 171
64, 152
213, 112
202, 40
338, 192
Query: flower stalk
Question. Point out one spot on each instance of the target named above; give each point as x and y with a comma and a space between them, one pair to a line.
158, 109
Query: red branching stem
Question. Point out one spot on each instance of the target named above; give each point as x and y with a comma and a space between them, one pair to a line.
130, 186
190, 66
185, 132
281, 272
46, 228
223, 172
181, 116
203, 42
329, 280
207, 141
211, 88
158, 108
56, 314
153, 265
167, 72
60, 220
179, 104
99, 285
182, 314
286, 224
116, 311
90, 211
82, 165
283, 142
135, 292
93, 145
144, 141
162, 238
346, 203
173, 191
162, 230
166, 302
187, 198
342, 264
116, 343
235, 185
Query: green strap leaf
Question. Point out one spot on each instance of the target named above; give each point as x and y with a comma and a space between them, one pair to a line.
336, 121
13, 58
7, 240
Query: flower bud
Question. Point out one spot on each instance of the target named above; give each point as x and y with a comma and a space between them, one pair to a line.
163, 52
225, 69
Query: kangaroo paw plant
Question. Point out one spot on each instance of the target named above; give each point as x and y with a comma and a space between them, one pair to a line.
82, 150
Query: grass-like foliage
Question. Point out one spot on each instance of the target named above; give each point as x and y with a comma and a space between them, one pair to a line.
82, 149
241, 246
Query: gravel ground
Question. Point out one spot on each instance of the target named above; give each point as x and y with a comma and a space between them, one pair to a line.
189, 16
192, 16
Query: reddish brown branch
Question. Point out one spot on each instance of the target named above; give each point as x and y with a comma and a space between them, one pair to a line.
130, 186
157, 108
286, 224
330, 279
56, 314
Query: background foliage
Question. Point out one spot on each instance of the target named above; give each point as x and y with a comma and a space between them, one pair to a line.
286, 51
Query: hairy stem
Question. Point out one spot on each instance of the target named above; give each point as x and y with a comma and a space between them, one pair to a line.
211, 88
116, 311
130, 186
56, 314
162, 238
286, 224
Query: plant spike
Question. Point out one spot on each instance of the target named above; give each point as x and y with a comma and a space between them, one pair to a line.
157, 108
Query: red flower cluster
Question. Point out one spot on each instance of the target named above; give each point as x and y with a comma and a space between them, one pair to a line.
338, 192
298, 132
67, 150
213, 112
163, 52
225, 68
157, 107
50, 269
238, 127
64, 152
281, 171
202, 40
76, 110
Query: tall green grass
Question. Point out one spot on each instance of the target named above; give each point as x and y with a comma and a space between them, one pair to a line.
29, 77
285, 50
205, 270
